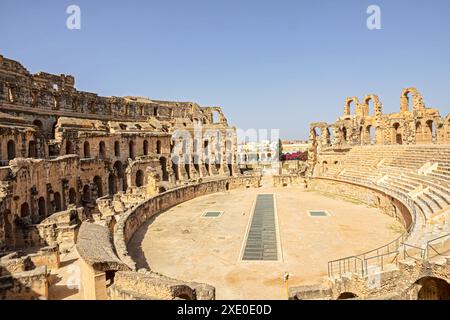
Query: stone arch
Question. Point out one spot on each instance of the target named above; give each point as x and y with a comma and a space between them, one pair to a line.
57, 202
163, 163
429, 134
99, 185
42, 208
324, 166
433, 288
344, 134
86, 150
112, 184
347, 295
32, 151
347, 107
72, 196
370, 134
187, 168
397, 134
86, 194
139, 178
38, 124
102, 150
116, 148
419, 132
377, 106
408, 96
119, 174
11, 146
131, 149
69, 147
158, 147
145, 147
175, 169
24, 210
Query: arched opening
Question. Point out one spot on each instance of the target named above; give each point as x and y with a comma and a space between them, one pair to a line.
86, 198
72, 196
195, 161
131, 149
53, 130
112, 187
187, 168
41, 207
38, 124
32, 152
370, 107
344, 134
324, 166
101, 150
409, 101
57, 201
158, 147
69, 148
139, 178
163, 163
145, 147
86, 150
347, 295
24, 210
119, 174
419, 133
175, 170
227, 186
397, 133
218, 166
433, 288
430, 132
117, 148
370, 132
155, 111
99, 186
11, 149
230, 169
205, 147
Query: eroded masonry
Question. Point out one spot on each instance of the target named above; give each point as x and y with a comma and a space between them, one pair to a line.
399, 163
70, 158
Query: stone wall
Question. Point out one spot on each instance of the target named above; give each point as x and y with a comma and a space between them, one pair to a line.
285, 180
414, 124
371, 197
129, 285
131, 220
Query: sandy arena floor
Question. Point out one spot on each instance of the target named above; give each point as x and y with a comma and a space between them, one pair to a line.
180, 243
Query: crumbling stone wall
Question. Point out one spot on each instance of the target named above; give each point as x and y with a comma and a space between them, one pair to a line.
61, 149
363, 125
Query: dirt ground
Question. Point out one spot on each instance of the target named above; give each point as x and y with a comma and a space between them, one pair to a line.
180, 243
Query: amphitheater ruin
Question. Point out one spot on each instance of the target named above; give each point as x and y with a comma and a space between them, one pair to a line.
132, 198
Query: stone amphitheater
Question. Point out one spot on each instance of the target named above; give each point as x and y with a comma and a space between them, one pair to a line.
128, 198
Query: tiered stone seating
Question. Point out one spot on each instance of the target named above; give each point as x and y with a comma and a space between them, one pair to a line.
420, 172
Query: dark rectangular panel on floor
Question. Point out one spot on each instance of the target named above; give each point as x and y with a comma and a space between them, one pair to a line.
261, 242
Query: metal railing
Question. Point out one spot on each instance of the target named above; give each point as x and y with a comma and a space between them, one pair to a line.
430, 248
379, 256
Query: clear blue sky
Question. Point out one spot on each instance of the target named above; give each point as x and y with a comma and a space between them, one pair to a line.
269, 64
